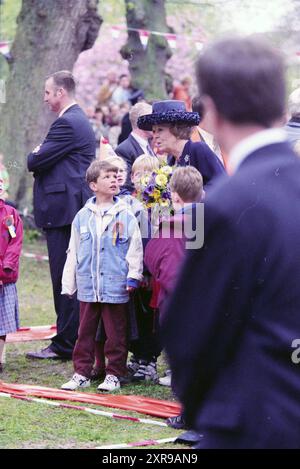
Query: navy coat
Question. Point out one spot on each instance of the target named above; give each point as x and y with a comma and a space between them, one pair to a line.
59, 169
129, 150
230, 325
199, 155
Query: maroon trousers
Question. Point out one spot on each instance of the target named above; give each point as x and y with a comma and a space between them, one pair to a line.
114, 318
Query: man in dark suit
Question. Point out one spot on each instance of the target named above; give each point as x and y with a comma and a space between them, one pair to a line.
137, 143
231, 325
59, 165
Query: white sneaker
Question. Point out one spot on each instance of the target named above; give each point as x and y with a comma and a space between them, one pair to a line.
166, 380
77, 381
111, 383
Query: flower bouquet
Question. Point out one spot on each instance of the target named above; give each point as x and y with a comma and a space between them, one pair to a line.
154, 191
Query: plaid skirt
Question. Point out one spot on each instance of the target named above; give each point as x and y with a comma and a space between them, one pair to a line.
9, 309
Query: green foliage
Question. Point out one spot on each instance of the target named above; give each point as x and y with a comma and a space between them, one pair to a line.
112, 11
31, 235
9, 12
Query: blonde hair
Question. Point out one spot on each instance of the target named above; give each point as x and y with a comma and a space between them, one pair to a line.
138, 110
294, 103
187, 182
145, 163
117, 161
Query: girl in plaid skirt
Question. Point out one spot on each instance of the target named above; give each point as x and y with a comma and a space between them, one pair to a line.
11, 234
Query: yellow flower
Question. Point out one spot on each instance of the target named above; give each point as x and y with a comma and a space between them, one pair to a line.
161, 179
166, 169
145, 180
156, 194
165, 203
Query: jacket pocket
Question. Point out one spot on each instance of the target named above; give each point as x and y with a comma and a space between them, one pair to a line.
85, 247
57, 187
84, 284
116, 285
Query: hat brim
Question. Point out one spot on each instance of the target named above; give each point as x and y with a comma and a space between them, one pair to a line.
147, 121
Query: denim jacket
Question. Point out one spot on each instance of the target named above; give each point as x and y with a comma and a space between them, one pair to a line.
105, 254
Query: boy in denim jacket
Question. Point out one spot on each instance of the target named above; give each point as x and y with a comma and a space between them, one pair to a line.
104, 264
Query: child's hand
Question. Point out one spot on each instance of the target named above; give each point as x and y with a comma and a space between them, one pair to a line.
130, 289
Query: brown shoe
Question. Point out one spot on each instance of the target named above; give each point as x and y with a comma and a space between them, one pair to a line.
45, 353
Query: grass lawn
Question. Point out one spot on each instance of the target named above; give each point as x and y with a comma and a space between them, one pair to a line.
34, 425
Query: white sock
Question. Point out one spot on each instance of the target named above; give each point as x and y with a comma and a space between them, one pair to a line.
2, 351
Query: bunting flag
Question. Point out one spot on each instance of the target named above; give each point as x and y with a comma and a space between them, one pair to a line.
144, 37
198, 41
5, 51
115, 31
4, 48
172, 40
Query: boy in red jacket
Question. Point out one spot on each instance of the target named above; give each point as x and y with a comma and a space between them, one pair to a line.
165, 253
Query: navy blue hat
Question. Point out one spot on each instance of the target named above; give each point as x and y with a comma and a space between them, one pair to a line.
168, 112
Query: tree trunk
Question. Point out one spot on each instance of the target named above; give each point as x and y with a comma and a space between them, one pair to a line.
50, 36
147, 65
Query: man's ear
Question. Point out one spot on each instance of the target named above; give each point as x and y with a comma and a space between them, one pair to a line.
211, 115
61, 92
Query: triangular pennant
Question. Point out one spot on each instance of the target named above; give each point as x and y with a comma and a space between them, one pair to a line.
144, 37
172, 40
4, 48
115, 32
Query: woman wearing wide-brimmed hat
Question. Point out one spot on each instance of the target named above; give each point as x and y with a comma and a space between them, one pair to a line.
172, 125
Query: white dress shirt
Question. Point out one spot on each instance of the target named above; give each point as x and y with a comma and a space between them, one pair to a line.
143, 143
254, 142
66, 108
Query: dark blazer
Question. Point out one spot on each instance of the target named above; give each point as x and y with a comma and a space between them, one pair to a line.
129, 150
126, 128
230, 325
199, 155
59, 169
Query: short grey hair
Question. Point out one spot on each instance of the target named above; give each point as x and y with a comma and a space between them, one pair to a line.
64, 79
138, 110
294, 103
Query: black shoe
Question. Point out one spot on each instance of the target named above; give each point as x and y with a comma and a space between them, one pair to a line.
45, 353
125, 380
97, 374
176, 422
190, 437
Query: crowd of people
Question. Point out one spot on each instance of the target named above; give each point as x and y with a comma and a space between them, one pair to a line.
215, 290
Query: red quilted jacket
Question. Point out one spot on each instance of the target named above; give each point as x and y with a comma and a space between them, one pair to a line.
10, 248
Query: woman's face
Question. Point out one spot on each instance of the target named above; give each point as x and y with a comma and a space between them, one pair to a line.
164, 140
